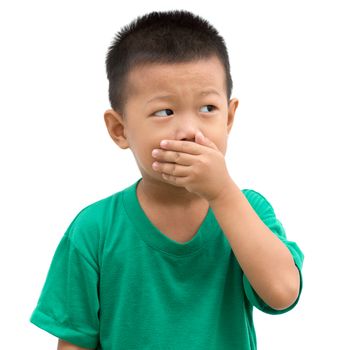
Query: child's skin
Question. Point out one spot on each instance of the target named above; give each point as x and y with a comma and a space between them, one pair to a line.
189, 173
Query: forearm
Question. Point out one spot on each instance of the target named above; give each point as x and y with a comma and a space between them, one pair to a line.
265, 260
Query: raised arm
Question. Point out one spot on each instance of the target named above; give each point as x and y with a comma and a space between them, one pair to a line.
265, 260
63, 345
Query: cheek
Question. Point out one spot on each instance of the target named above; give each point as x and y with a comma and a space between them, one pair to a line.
222, 147
145, 154
221, 144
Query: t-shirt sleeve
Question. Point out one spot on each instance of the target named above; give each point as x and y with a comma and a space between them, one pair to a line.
266, 213
68, 306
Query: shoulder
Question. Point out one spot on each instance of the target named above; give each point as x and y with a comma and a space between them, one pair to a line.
259, 203
93, 213
91, 221
87, 231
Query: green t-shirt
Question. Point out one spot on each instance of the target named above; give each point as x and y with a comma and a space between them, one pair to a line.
117, 283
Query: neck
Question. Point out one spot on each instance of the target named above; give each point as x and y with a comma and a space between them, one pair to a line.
163, 194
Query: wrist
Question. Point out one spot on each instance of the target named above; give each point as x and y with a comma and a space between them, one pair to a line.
229, 190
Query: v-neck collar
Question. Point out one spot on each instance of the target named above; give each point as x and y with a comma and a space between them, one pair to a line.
208, 229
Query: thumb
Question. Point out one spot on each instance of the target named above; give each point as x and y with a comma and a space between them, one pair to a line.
202, 140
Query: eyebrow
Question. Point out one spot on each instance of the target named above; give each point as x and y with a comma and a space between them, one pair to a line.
205, 92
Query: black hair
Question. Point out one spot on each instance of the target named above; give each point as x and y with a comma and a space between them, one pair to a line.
161, 37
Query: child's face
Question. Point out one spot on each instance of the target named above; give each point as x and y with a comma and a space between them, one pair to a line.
168, 102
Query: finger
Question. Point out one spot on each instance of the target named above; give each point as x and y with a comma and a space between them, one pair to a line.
173, 157
175, 180
171, 169
181, 146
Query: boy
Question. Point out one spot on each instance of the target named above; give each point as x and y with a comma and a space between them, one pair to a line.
178, 259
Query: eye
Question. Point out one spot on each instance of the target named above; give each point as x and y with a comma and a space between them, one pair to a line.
211, 107
168, 112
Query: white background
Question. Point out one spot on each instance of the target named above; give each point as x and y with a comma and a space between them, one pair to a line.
290, 70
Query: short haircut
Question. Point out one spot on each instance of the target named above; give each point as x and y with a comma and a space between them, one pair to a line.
176, 36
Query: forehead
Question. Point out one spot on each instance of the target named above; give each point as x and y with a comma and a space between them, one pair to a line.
150, 78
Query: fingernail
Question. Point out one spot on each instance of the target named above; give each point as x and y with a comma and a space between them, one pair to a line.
155, 152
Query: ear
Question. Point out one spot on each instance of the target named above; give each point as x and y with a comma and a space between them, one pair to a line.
115, 126
231, 113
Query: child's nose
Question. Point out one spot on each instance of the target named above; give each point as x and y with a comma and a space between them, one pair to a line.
186, 128
185, 139
185, 135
